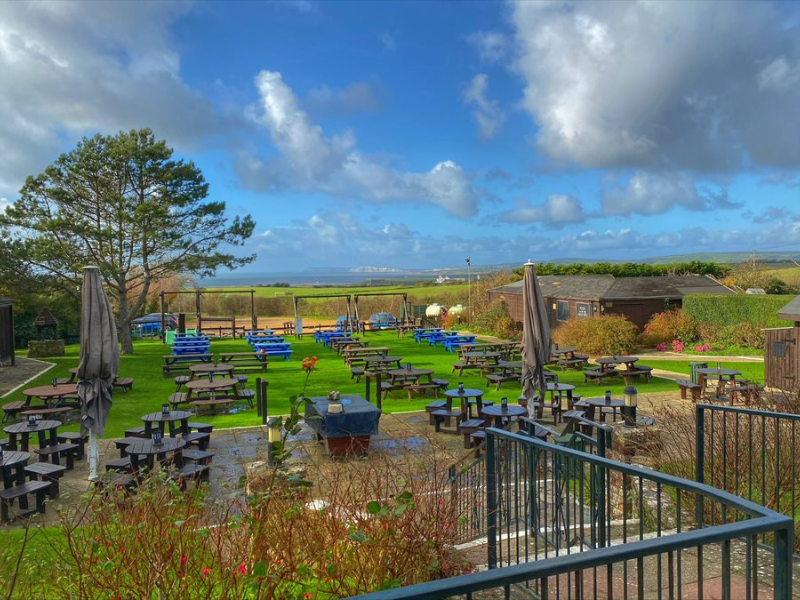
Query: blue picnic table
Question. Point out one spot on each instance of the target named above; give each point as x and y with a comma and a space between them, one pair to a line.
455, 341
274, 349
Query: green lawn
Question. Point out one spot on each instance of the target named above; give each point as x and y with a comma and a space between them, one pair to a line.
750, 370
285, 379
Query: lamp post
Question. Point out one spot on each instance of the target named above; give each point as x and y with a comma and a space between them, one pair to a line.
273, 439
469, 289
631, 401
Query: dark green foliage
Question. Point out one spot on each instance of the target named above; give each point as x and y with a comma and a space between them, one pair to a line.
632, 269
723, 310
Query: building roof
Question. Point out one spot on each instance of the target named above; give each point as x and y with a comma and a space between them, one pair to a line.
608, 287
790, 312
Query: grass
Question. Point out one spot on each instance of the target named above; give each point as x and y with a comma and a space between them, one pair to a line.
727, 351
750, 370
431, 292
151, 389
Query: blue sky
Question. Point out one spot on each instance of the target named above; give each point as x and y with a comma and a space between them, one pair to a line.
414, 134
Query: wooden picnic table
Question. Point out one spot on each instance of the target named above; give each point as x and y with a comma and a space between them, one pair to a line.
44, 429
221, 384
161, 420
352, 345
373, 363
725, 378
608, 364
155, 453
205, 369
242, 360
52, 395
497, 414
469, 397
13, 464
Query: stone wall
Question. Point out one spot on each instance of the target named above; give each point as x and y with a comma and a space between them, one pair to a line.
45, 348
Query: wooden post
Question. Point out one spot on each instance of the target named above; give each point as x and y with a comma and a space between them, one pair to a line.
163, 320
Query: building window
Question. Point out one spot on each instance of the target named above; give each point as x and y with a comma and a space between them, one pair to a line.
562, 311
583, 309
779, 349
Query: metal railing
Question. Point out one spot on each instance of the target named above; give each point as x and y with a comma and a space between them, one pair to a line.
568, 524
752, 454
468, 476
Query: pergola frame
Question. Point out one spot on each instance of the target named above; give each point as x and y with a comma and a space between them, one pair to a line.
350, 319
198, 293
404, 320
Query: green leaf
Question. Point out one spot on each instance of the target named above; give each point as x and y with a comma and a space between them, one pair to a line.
260, 569
374, 507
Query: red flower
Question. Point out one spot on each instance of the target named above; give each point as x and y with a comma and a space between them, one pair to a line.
184, 560
206, 571
242, 569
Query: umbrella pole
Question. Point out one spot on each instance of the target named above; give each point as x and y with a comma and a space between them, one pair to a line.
94, 454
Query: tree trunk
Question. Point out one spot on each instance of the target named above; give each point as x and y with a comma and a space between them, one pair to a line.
124, 321
124, 334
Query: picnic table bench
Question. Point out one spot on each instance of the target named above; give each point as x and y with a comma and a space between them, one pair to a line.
283, 349
353, 355
182, 362
455, 341
245, 360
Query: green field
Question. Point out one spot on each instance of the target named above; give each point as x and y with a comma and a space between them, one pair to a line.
428, 292
790, 275
285, 379
750, 370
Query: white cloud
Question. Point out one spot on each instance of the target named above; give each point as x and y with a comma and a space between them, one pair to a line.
655, 193
779, 76
388, 41
491, 46
311, 161
557, 210
705, 86
487, 113
75, 68
4, 204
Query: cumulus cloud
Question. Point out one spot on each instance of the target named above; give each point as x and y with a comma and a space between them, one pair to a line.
309, 160
486, 113
558, 210
72, 68
704, 86
358, 97
655, 193
491, 46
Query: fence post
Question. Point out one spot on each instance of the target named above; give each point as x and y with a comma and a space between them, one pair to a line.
258, 396
264, 411
491, 500
784, 543
700, 451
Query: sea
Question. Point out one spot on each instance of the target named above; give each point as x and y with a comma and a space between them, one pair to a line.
313, 278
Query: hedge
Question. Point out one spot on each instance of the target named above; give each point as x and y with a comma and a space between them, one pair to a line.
724, 309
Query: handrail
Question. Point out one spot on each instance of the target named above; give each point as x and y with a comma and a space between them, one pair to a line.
746, 506
754, 520
464, 584
749, 411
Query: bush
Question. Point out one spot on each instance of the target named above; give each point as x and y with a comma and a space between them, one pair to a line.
668, 326
722, 310
494, 320
375, 525
608, 334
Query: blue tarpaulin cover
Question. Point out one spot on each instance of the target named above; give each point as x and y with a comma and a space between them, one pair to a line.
359, 418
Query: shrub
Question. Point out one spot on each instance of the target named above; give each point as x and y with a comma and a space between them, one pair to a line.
668, 326
374, 525
608, 334
721, 309
494, 320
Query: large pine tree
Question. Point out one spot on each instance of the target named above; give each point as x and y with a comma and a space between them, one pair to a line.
124, 204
